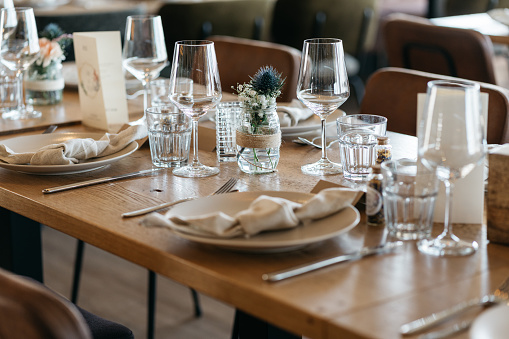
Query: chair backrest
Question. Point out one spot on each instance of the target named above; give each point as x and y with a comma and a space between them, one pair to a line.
392, 92
30, 310
192, 20
239, 58
415, 43
297, 20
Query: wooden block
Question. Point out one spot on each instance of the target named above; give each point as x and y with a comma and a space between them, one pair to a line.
498, 199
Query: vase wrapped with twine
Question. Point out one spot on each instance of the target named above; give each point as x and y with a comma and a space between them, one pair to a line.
258, 140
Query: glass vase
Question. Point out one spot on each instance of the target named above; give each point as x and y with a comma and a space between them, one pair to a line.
258, 140
44, 85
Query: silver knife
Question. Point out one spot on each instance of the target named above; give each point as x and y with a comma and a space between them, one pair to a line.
99, 180
297, 270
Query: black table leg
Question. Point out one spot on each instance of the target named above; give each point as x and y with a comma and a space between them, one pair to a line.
246, 326
20, 245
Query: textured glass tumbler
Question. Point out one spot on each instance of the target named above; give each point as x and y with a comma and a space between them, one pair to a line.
9, 91
227, 115
409, 193
358, 135
169, 133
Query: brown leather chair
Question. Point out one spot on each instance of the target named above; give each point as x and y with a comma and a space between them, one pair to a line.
415, 43
29, 310
392, 92
239, 58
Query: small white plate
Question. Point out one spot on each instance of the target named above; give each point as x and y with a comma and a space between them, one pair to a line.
492, 323
311, 124
500, 14
32, 143
266, 242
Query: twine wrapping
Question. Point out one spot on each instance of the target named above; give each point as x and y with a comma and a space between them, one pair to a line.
258, 140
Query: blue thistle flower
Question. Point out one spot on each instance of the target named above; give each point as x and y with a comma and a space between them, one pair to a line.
267, 81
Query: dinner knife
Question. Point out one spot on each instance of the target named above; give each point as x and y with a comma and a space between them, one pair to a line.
99, 180
297, 270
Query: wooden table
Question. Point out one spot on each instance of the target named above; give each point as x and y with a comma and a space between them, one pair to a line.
370, 298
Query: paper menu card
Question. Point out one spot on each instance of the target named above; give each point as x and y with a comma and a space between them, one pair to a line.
101, 79
468, 193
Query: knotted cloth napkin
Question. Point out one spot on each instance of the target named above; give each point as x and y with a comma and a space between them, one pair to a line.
290, 115
75, 150
265, 213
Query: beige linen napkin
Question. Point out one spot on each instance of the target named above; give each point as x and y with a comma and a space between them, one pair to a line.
75, 150
264, 214
291, 115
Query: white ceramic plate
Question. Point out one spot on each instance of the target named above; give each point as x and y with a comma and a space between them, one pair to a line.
491, 324
311, 124
32, 143
500, 14
40, 3
276, 241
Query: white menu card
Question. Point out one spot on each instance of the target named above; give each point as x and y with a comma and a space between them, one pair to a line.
101, 79
468, 194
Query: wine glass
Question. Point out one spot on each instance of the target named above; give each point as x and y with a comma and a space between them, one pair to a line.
452, 141
144, 53
194, 89
19, 48
323, 87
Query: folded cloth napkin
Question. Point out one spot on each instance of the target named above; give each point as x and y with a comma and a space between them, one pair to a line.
264, 214
75, 150
290, 115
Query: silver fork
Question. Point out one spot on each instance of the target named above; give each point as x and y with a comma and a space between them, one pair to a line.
227, 186
500, 295
301, 140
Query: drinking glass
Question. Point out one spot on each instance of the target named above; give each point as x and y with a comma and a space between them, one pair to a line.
323, 87
144, 53
19, 48
194, 89
452, 141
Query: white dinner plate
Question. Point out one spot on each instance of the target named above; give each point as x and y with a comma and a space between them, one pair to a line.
492, 323
311, 124
500, 14
46, 4
32, 143
266, 242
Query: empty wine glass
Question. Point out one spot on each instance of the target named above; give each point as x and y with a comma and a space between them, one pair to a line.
19, 48
323, 87
144, 53
452, 141
194, 89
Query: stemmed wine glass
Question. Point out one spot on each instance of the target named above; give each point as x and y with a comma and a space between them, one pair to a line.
19, 48
323, 87
452, 141
144, 53
194, 89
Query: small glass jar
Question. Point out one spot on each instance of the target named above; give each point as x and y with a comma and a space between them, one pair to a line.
258, 139
383, 150
44, 85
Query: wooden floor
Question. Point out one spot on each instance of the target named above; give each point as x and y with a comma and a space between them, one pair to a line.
117, 290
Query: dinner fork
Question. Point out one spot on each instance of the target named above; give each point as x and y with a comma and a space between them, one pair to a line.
500, 295
301, 140
227, 186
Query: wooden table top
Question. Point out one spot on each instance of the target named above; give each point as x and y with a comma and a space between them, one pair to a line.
370, 298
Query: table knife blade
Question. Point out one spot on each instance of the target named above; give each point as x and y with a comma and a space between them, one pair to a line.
98, 181
297, 270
